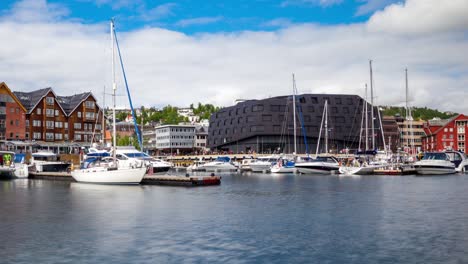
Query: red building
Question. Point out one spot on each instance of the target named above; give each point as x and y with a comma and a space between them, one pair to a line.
12, 115
446, 134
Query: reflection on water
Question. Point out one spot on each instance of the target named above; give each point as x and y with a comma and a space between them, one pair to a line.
249, 218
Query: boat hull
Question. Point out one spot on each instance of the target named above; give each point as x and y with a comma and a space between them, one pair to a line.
434, 170
105, 176
276, 169
317, 168
260, 168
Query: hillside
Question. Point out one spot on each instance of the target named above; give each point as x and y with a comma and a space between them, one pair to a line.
419, 113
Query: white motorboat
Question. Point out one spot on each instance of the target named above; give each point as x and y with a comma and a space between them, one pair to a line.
21, 168
131, 157
245, 164
263, 164
220, 164
96, 169
435, 163
459, 159
283, 166
319, 165
197, 165
46, 161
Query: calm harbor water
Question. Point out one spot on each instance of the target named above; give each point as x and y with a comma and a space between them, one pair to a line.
250, 218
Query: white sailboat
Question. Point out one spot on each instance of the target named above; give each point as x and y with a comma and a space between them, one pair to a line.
323, 164
95, 170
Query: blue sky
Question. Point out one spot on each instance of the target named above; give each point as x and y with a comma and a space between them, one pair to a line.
190, 16
183, 52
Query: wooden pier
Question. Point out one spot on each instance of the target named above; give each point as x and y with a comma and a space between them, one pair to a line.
51, 175
181, 180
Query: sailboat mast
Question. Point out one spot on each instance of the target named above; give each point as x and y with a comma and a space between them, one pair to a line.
114, 88
294, 113
367, 121
326, 126
372, 105
409, 118
103, 128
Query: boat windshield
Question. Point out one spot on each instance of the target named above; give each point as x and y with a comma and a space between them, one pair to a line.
434, 156
136, 155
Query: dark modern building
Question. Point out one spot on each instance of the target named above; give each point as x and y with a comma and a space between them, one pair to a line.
267, 126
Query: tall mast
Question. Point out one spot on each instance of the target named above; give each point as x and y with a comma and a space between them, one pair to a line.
372, 105
114, 88
326, 126
367, 121
409, 118
103, 128
294, 113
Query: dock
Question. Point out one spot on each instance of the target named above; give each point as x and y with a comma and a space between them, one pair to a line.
51, 175
181, 180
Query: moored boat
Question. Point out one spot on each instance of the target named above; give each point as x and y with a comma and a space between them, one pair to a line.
220, 164
319, 165
435, 163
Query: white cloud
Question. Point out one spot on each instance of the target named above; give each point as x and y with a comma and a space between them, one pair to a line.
370, 6
158, 12
35, 11
323, 3
198, 21
421, 16
278, 22
169, 67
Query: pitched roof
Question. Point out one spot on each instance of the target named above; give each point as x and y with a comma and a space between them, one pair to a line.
13, 96
30, 99
70, 103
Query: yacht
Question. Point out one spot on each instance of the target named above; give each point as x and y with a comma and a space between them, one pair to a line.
283, 165
130, 157
245, 164
220, 164
319, 165
106, 170
197, 165
459, 159
263, 164
45, 161
434, 163
21, 168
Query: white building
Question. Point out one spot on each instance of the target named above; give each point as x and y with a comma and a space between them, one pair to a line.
175, 138
201, 135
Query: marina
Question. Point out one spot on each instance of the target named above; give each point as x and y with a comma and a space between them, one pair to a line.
249, 218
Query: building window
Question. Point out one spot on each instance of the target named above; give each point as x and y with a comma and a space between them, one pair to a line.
89, 104
65, 125
266, 118
56, 112
37, 135
338, 101
27, 122
90, 115
77, 126
12, 110
314, 100
98, 126
37, 123
50, 100
79, 114
17, 122
77, 137
50, 124
65, 136
58, 124
38, 111
58, 136
26, 135
257, 108
49, 112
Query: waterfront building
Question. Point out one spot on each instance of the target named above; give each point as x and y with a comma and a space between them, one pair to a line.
266, 126
12, 115
408, 134
391, 132
175, 138
448, 134
55, 118
201, 135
